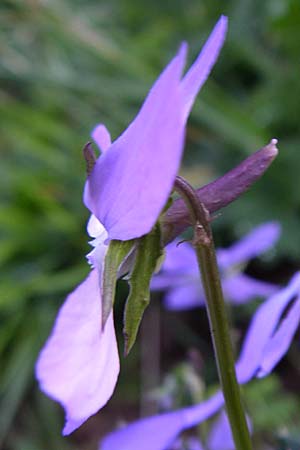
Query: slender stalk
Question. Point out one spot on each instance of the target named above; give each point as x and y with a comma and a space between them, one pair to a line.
206, 256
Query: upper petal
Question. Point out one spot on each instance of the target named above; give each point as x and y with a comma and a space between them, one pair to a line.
79, 365
130, 183
199, 71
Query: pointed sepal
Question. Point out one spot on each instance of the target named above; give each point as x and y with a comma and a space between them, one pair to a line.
116, 253
148, 255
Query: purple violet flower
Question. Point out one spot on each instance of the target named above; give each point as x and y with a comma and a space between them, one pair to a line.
179, 275
160, 431
125, 192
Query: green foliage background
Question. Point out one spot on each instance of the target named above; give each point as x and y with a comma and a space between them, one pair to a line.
67, 65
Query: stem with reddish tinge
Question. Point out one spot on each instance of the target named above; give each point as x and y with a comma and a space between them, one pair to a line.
206, 256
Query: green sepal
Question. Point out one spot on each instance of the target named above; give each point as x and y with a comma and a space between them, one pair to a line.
148, 253
116, 253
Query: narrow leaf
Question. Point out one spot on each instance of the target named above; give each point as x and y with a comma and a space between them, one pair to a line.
148, 253
117, 252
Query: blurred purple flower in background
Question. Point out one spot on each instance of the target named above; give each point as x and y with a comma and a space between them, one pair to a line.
126, 191
179, 274
159, 432
219, 437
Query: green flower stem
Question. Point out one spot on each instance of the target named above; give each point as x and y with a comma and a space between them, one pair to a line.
206, 256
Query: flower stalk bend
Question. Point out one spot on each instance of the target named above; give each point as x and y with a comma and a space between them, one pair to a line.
204, 247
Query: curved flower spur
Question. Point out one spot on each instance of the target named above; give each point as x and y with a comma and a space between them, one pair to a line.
79, 364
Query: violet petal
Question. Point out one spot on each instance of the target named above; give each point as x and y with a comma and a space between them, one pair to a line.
159, 432
79, 365
262, 327
280, 342
180, 256
148, 152
241, 288
220, 435
184, 297
199, 71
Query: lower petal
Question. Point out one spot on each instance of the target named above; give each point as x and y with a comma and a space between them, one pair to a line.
79, 364
159, 432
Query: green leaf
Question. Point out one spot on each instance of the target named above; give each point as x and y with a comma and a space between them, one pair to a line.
148, 253
117, 252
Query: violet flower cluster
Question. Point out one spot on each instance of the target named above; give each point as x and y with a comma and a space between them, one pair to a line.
125, 192
179, 274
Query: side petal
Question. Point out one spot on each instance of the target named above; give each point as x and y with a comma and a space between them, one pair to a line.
199, 71
281, 340
261, 329
239, 289
130, 183
159, 432
258, 241
101, 136
79, 365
